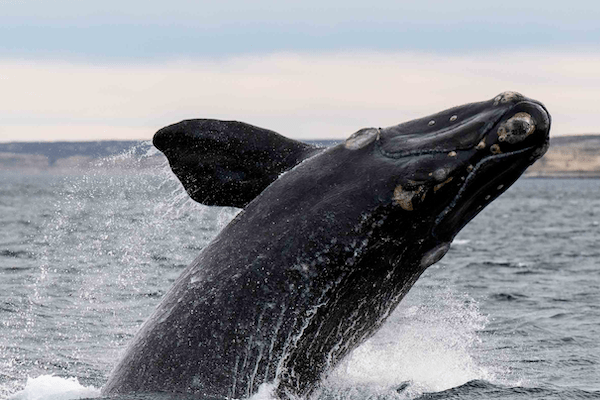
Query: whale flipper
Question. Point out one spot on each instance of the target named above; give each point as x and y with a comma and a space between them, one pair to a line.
227, 163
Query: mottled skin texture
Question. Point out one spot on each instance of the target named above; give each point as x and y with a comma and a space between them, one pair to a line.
318, 260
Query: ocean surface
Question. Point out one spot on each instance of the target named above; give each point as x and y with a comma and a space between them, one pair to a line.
511, 312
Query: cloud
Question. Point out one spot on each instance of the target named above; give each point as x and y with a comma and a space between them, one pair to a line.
326, 95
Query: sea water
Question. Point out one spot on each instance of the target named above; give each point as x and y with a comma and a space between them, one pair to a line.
511, 312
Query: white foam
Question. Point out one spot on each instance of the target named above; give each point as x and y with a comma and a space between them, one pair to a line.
460, 242
428, 343
265, 392
50, 387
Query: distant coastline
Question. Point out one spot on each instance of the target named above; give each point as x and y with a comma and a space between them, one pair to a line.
575, 156
65, 157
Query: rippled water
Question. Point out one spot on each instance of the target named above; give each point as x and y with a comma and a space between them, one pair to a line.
512, 311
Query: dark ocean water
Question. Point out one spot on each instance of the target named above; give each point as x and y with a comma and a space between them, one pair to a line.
511, 312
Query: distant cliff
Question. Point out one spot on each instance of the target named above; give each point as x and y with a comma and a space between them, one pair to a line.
568, 156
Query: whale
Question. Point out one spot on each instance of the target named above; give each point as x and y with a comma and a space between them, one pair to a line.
328, 241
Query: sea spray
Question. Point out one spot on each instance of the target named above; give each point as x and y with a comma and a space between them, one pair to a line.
110, 242
50, 387
425, 346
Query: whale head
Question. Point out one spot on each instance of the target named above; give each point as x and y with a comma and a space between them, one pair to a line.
448, 166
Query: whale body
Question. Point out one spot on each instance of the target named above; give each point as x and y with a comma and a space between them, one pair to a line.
328, 243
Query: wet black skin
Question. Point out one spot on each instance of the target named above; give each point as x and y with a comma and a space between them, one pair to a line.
227, 163
317, 261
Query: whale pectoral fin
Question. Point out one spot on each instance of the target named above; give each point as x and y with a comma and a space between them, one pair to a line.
227, 163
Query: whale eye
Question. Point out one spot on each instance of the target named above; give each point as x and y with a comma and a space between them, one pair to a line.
431, 123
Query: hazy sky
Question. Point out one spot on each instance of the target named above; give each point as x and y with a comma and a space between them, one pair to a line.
83, 70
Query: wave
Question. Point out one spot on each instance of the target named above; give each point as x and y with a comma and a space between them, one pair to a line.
479, 389
50, 387
16, 254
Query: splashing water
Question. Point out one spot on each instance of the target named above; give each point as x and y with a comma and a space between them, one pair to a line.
425, 346
102, 248
49, 387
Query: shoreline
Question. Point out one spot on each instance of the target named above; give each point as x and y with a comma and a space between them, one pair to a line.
566, 175
569, 157
147, 166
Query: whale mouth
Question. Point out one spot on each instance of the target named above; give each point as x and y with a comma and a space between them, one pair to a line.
476, 152
518, 139
478, 190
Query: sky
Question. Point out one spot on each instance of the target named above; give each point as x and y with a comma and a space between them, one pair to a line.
89, 70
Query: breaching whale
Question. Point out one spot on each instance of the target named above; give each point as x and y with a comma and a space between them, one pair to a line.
328, 243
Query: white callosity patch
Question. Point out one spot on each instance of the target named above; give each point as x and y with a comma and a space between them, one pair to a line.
404, 197
440, 174
506, 97
516, 129
362, 138
495, 149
